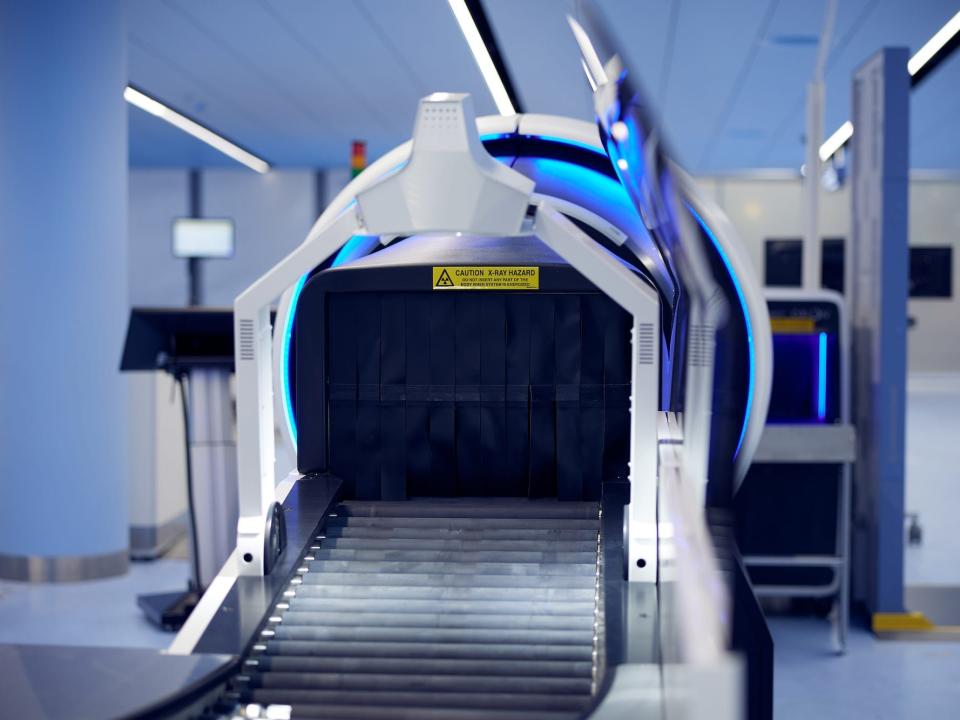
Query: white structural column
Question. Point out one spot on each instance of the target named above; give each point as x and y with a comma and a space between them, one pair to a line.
63, 289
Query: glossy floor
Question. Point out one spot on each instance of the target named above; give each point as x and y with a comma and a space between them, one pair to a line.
876, 679
98, 612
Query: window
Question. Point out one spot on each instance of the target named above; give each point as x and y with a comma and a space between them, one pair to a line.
931, 272
832, 264
783, 263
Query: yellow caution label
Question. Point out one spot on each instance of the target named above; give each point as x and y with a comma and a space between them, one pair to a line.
486, 277
793, 325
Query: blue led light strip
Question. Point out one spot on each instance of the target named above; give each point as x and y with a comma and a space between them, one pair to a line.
822, 378
285, 359
746, 319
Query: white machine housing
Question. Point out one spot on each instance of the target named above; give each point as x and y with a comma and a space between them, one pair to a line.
442, 182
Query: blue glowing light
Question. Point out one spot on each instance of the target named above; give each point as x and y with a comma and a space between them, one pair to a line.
585, 180
822, 378
285, 359
346, 254
348, 251
746, 319
545, 138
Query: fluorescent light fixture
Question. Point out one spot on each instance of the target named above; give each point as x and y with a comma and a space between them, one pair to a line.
914, 65
836, 141
191, 127
480, 53
933, 45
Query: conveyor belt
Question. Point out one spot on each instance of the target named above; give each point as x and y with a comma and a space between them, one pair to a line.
455, 609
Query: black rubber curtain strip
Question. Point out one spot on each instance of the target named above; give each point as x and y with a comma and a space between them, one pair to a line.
474, 394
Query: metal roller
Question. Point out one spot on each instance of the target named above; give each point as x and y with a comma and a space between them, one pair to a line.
455, 609
448, 666
417, 650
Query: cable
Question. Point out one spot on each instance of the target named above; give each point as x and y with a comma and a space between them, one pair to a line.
191, 511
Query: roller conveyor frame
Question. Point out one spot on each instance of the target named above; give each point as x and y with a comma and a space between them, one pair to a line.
482, 684
222, 634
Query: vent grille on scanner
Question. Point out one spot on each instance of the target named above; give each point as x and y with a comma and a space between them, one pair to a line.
246, 339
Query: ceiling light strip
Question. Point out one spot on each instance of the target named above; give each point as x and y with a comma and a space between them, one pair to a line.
481, 54
836, 141
149, 104
934, 45
917, 66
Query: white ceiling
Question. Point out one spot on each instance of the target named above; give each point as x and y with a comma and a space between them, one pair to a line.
296, 80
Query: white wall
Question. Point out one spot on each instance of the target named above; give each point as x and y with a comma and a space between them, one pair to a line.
156, 197
272, 214
770, 206
935, 220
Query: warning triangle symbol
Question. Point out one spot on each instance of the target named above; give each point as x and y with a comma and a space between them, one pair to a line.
444, 279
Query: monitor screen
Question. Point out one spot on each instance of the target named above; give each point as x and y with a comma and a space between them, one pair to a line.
203, 238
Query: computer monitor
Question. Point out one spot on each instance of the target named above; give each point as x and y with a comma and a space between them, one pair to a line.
203, 237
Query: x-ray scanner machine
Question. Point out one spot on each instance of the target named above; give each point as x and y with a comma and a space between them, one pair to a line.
524, 365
